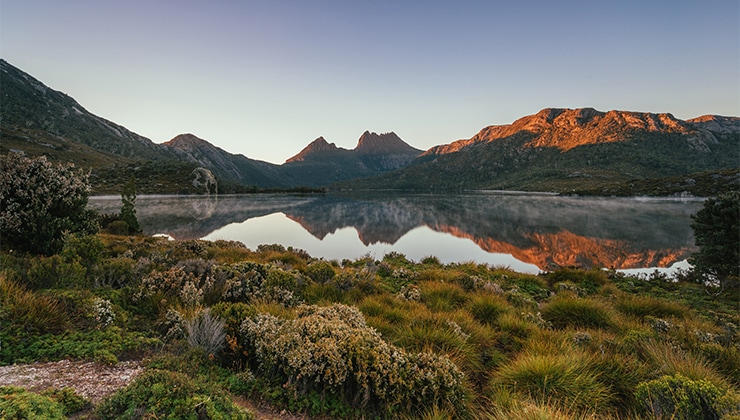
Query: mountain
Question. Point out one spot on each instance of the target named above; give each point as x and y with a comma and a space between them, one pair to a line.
567, 150
230, 167
29, 108
321, 162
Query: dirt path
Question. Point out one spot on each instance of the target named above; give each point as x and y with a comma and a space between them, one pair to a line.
93, 381
96, 381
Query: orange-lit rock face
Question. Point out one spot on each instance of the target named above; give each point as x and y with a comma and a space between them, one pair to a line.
565, 249
566, 129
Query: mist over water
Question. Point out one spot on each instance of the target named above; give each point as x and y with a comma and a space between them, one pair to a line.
525, 232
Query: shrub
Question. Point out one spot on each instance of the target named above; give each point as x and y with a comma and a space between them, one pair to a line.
678, 397
164, 394
40, 202
241, 282
320, 271
103, 313
17, 403
206, 332
717, 233
575, 312
331, 349
71, 401
56, 271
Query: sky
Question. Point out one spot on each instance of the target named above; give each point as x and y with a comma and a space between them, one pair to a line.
265, 78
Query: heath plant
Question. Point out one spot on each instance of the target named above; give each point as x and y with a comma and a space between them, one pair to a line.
332, 349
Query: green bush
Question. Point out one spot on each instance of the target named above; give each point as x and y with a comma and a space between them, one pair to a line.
717, 234
69, 399
17, 403
41, 202
320, 271
331, 349
678, 397
170, 395
56, 271
565, 312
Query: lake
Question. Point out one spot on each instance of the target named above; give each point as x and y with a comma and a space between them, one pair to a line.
525, 232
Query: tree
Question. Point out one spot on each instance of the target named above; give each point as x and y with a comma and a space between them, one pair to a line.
128, 210
41, 202
717, 234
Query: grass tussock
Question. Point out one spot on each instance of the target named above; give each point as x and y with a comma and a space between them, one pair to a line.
565, 380
578, 313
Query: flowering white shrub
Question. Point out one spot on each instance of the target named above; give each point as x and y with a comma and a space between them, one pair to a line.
103, 312
410, 293
332, 349
242, 281
40, 202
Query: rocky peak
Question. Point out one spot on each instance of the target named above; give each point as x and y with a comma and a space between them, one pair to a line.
187, 142
318, 146
386, 143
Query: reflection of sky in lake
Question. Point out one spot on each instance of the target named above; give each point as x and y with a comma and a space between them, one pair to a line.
344, 243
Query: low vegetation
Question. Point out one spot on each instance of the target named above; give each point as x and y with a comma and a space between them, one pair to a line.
367, 338
216, 322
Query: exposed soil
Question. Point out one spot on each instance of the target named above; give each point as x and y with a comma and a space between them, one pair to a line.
95, 381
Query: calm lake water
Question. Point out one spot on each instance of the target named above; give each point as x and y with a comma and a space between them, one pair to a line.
525, 232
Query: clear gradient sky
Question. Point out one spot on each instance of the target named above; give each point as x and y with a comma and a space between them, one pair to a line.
264, 78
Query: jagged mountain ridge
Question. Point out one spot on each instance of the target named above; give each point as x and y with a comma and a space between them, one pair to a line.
321, 163
563, 150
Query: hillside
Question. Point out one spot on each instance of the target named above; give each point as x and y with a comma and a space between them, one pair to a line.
230, 167
28, 104
567, 150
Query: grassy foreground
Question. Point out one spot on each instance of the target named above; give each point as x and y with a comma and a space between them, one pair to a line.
368, 338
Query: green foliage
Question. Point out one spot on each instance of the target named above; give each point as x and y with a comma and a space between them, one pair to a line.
563, 312
128, 209
643, 306
566, 381
19, 404
41, 202
486, 308
320, 271
717, 234
29, 311
69, 399
332, 350
170, 395
678, 397
100, 345
443, 296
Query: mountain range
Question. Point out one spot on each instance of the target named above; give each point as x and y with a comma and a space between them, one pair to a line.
559, 150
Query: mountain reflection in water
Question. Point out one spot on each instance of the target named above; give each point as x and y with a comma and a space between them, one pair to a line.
542, 230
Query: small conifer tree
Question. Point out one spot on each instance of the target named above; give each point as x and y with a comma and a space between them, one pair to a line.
128, 209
